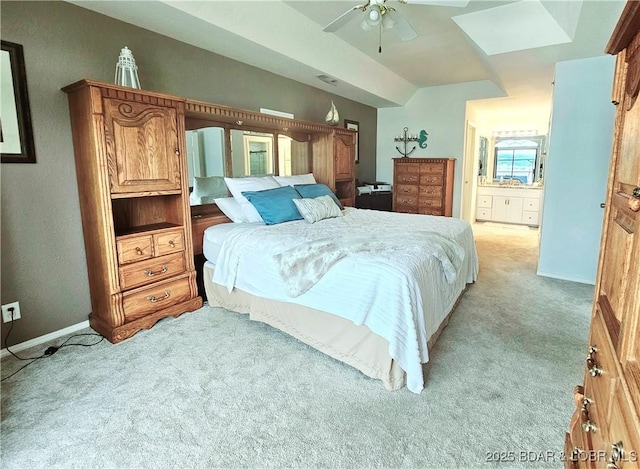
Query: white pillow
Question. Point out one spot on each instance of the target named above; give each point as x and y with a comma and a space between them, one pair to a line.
252, 183
231, 208
297, 179
317, 209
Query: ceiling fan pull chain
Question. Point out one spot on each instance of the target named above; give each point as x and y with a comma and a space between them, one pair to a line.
380, 40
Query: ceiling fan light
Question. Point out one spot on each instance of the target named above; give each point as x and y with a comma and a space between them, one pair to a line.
373, 18
387, 21
365, 26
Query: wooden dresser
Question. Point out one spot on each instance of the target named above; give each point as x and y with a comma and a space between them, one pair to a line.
134, 201
423, 185
604, 431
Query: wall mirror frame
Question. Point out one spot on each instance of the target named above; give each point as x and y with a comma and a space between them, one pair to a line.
16, 132
293, 140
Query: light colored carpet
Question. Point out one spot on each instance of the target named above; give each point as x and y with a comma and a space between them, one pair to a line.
211, 389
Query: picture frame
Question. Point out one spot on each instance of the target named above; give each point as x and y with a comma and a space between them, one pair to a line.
16, 133
354, 125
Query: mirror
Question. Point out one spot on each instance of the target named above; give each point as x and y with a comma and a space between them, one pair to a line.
216, 150
518, 160
206, 164
482, 158
294, 156
252, 153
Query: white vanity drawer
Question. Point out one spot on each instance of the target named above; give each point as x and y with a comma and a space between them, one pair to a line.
531, 218
483, 214
532, 205
484, 201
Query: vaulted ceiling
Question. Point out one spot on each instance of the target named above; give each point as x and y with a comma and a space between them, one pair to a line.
512, 44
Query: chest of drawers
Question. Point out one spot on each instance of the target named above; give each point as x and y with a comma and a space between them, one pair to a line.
423, 185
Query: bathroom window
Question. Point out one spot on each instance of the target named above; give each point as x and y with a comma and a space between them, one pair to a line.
516, 160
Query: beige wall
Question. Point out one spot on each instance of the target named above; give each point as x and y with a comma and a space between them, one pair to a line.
43, 258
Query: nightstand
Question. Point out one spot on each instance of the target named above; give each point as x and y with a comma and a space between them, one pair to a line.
375, 201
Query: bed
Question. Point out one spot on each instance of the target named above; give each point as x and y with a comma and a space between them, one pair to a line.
371, 289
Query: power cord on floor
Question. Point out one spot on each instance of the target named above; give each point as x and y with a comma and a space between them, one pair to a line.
48, 352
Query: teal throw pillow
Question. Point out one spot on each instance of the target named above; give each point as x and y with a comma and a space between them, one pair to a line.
275, 205
311, 191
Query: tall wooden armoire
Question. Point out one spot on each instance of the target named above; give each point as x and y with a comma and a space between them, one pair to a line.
605, 428
134, 200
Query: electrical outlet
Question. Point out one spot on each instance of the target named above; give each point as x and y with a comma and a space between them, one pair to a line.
6, 314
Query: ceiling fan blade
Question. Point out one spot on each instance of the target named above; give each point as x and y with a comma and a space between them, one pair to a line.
402, 28
443, 3
343, 19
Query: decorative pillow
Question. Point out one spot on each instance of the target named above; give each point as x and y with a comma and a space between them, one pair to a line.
311, 191
232, 209
238, 185
275, 205
297, 179
317, 209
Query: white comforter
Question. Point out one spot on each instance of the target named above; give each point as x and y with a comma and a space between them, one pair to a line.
401, 293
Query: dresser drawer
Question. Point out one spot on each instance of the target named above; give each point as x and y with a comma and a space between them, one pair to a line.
142, 302
168, 242
429, 168
591, 426
407, 200
407, 178
431, 179
425, 202
134, 249
406, 189
602, 371
152, 270
431, 191
407, 168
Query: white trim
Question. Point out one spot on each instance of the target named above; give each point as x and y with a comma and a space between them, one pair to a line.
43, 338
564, 277
271, 112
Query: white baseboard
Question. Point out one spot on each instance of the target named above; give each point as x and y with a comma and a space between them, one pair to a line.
44, 338
565, 277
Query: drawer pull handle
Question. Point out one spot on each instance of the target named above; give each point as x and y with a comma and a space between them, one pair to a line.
589, 426
139, 251
634, 200
172, 243
153, 299
595, 371
576, 454
151, 273
617, 454
585, 406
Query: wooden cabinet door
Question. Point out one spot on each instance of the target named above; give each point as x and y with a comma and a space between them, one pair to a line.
142, 146
344, 148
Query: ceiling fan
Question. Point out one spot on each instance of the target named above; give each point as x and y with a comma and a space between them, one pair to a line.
378, 14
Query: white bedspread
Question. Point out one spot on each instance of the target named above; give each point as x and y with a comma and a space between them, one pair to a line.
401, 293
303, 266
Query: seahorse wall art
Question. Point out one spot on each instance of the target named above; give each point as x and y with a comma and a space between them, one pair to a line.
422, 139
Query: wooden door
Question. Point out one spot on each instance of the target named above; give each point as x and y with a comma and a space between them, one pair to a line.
142, 147
344, 155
